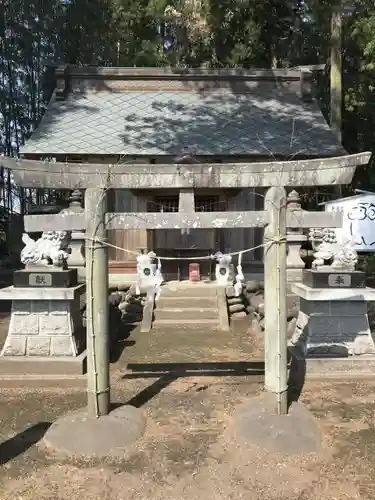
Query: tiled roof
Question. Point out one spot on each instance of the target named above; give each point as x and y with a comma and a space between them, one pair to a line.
269, 120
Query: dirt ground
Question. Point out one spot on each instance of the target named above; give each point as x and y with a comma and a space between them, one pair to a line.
190, 449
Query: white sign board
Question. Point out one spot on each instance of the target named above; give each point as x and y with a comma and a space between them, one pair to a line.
358, 220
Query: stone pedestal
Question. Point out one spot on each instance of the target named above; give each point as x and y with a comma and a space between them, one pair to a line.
39, 278
325, 278
333, 318
43, 320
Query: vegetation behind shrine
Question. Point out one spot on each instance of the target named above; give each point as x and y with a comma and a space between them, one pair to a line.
35, 35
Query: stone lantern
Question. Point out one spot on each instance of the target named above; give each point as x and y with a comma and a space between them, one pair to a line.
76, 258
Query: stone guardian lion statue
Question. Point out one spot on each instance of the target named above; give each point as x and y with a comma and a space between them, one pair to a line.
51, 250
328, 251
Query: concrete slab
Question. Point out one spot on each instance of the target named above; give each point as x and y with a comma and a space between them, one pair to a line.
193, 324
36, 365
355, 294
12, 293
178, 302
191, 313
78, 436
350, 367
189, 289
291, 434
38, 382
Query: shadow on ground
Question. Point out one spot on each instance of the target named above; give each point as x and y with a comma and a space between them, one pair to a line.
121, 329
297, 376
22, 441
167, 373
217, 368
119, 344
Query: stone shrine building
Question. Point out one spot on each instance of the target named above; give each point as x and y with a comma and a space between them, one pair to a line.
159, 117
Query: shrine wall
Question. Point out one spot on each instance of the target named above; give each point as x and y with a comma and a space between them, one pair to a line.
240, 239
124, 200
222, 239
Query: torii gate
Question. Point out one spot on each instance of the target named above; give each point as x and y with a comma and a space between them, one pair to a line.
96, 179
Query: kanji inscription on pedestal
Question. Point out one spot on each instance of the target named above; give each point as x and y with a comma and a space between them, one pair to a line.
339, 280
43, 279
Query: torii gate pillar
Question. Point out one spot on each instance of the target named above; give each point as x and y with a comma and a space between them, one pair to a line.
275, 290
97, 328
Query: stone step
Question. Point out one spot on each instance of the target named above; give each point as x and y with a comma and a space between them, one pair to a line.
190, 291
177, 314
186, 302
189, 324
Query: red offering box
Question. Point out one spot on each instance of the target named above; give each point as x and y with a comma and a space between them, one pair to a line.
194, 272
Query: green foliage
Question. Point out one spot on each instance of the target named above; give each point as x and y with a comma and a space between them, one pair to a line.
88, 32
362, 32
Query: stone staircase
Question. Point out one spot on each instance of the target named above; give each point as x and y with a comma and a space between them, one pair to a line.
191, 306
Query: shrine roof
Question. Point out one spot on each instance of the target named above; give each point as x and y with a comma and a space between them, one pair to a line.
155, 112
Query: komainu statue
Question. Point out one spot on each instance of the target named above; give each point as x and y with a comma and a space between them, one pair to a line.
340, 256
51, 250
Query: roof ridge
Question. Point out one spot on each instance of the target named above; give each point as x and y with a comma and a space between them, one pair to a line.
179, 73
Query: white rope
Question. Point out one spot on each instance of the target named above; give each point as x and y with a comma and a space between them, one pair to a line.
158, 279
203, 257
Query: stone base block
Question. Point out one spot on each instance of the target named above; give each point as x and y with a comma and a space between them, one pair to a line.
39, 345
43, 326
333, 294
43, 366
331, 324
340, 367
80, 436
292, 434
